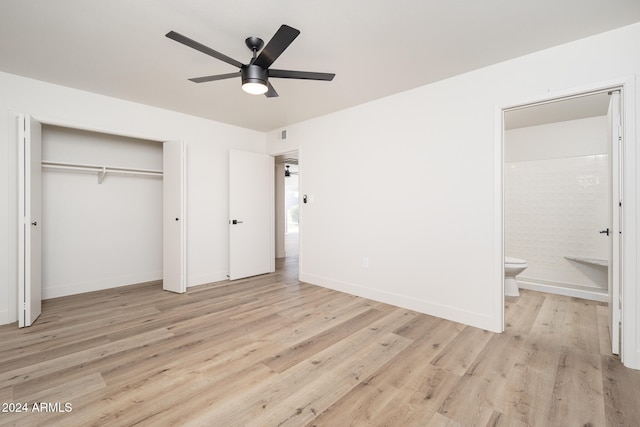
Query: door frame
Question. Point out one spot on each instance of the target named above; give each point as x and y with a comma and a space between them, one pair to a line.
53, 121
629, 354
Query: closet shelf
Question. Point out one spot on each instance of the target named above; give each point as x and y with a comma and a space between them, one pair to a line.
102, 171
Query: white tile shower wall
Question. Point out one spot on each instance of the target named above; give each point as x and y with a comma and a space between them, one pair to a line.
555, 208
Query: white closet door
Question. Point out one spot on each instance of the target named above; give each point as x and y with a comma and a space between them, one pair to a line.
615, 240
174, 274
30, 226
251, 210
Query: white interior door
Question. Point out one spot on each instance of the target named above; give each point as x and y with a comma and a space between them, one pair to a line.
174, 271
30, 222
615, 238
251, 214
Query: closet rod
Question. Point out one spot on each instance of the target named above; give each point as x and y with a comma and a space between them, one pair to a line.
101, 170
97, 168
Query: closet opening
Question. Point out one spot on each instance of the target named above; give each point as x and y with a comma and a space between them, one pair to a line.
100, 210
101, 199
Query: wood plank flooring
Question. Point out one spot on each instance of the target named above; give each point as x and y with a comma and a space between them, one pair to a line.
271, 351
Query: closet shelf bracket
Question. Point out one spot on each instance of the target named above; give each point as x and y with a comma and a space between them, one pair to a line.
102, 174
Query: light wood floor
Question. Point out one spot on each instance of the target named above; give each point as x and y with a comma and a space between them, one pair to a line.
270, 351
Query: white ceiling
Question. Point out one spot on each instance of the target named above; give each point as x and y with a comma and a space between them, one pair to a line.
375, 47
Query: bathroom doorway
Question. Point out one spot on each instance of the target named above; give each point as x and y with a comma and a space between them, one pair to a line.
561, 198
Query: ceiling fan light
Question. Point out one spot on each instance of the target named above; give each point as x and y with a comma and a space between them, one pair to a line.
254, 88
254, 79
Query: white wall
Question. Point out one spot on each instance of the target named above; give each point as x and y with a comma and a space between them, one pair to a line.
208, 144
420, 198
99, 235
553, 212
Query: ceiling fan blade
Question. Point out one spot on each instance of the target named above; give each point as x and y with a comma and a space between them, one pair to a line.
304, 75
278, 43
214, 78
271, 93
202, 48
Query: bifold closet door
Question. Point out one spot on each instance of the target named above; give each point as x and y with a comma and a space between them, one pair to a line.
174, 274
30, 222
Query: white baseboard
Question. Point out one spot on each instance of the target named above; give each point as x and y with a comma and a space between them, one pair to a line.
455, 314
49, 292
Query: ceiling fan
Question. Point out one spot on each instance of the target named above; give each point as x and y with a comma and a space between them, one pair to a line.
288, 173
255, 75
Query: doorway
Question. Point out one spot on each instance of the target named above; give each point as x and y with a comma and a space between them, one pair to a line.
287, 183
561, 196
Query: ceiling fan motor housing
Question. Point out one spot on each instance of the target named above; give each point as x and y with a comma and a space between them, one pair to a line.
254, 74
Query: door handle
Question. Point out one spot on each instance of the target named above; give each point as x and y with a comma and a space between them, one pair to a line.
605, 231
235, 221
34, 223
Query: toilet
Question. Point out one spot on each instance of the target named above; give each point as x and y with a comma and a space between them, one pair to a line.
512, 267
